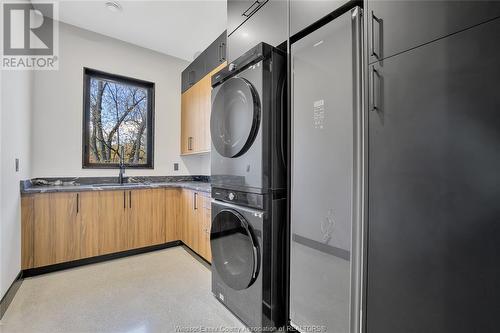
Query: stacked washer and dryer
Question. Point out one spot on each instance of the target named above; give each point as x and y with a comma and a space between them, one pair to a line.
248, 176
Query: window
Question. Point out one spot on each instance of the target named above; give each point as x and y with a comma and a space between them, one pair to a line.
118, 119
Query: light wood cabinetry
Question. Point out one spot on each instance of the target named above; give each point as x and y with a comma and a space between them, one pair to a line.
196, 105
173, 228
89, 206
204, 230
196, 221
146, 217
56, 228
113, 224
27, 233
62, 227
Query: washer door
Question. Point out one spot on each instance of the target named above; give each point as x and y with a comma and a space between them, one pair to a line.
235, 117
235, 254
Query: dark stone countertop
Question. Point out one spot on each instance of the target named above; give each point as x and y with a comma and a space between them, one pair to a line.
109, 184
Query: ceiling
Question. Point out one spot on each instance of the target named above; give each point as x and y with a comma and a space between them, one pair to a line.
178, 28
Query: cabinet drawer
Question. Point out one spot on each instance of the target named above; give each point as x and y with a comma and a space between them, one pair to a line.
396, 26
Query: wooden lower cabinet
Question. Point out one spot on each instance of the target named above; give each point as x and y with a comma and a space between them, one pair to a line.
89, 203
146, 217
113, 224
62, 227
173, 229
196, 220
205, 225
56, 226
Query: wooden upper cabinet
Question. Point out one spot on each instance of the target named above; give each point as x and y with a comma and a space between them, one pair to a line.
189, 114
56, 228
146, 217
195, 116
113, 225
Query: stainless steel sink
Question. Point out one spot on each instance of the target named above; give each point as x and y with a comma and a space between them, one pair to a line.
117, 184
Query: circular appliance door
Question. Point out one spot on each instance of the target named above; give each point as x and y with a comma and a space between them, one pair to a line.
235, 117
235, 254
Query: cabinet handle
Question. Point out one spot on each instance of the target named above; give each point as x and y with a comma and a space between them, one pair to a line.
124, 200
222, 52
130, 199
195, 197
372, 46
77, 203
374, 106
190, 143
251, 10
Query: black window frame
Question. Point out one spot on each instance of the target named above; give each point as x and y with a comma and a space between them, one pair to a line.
89, 73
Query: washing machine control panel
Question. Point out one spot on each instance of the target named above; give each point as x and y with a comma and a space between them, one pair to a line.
239, 198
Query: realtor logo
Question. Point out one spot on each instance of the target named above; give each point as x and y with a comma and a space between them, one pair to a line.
29, 35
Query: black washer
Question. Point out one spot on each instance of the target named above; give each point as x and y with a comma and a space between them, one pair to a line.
234, 249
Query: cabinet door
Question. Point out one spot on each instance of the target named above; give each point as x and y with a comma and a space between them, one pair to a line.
27, 232
190, 109
173, 229
238, 11
89, 225
188, 217
203, 125
146, 220
56, 228
396, 26
187, 104
216, 53
206, 222
269, 25
113, 226
434, 191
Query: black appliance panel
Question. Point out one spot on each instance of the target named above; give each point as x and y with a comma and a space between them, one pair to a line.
434, 190
239, 198
269, 25
397, 26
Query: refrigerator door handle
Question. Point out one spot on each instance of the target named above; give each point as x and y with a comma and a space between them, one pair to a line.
358, 181
373, 18
374, 75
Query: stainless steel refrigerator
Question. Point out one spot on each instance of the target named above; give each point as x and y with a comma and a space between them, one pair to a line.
327, 173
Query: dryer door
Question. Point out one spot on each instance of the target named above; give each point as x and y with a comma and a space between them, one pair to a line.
235, 117
235, 252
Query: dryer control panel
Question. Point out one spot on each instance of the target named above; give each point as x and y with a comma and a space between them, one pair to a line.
240, 198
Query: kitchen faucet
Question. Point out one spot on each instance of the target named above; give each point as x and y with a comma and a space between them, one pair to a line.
121, 177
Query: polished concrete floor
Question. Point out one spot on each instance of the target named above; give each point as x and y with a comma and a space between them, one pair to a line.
162, 291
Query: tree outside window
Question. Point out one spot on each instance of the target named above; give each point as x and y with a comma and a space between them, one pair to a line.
118, 117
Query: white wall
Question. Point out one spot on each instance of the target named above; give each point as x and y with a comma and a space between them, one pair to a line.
15, 142
58, 103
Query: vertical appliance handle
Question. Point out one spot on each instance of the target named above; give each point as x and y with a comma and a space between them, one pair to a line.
373, 18
358, 179
374, 102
